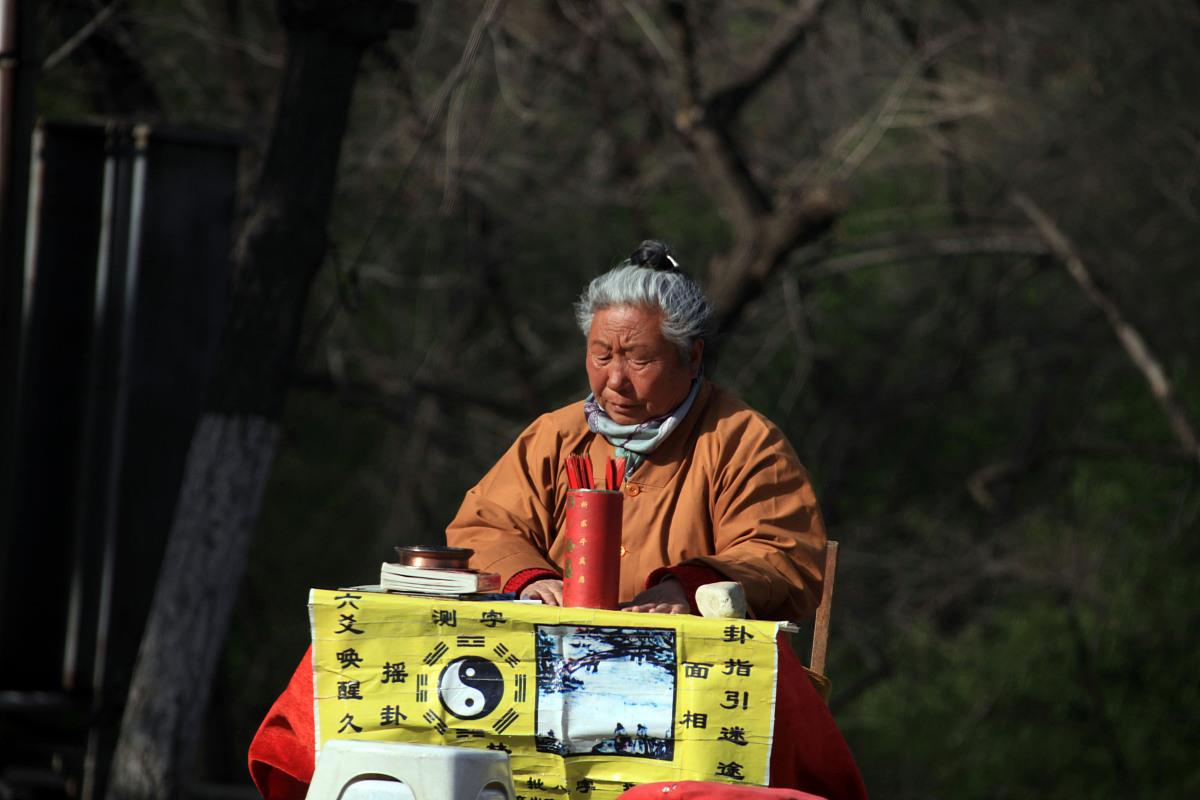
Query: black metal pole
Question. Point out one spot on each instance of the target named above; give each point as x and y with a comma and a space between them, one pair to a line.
18, 76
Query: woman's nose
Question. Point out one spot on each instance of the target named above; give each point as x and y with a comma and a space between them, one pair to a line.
616, 373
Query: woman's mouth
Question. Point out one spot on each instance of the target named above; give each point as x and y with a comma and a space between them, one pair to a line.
624, 412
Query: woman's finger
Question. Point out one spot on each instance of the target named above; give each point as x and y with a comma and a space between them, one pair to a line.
548, 592
655, 608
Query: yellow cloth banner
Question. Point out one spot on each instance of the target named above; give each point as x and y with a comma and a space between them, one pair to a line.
587, 703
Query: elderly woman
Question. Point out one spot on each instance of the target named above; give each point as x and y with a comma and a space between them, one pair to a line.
713, 490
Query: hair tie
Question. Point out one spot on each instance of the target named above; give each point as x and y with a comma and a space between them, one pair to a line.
654, 255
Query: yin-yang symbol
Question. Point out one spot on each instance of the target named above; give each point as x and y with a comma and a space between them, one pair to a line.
470, 687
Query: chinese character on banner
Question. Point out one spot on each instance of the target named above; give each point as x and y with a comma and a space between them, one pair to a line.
738, 667
347, 623
692, 669
349, 658
390, 715
735, 734
348, 600
394, 673
732, 699
492, 618
731, 770
349, 690
737, 633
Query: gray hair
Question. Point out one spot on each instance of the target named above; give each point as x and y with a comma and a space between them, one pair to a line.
687, 314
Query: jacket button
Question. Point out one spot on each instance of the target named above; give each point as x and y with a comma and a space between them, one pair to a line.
633, 489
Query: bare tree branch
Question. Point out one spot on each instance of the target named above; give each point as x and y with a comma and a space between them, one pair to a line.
649, 30
767, 226
102, 42
66, 48
212, 37
690, 77
710, 136
727, 101
979, 484
1131, 340
739, 276
394, 403
902, 248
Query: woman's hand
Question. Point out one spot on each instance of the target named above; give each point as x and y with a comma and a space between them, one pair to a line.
668, 597
548, 590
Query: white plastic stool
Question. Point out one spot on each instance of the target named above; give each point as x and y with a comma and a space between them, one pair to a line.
365, 770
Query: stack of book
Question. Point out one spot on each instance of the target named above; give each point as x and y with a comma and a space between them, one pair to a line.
436, 581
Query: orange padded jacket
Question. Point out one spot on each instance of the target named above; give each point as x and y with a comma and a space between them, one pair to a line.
725, 490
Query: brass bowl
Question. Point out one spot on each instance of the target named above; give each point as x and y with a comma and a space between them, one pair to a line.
434, 556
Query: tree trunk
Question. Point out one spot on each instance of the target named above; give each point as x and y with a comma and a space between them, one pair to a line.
279, 254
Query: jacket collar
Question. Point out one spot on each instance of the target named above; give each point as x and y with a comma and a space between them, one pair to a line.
660, 467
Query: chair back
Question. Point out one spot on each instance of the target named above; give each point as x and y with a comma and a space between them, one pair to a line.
824, 609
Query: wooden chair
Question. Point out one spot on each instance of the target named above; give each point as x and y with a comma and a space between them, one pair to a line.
820, 641
727, 599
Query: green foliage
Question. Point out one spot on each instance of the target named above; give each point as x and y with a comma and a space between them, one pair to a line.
1057, 692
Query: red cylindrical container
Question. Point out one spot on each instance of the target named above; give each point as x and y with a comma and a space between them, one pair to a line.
592, 561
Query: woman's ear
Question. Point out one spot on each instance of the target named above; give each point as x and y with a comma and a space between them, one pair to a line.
697, 355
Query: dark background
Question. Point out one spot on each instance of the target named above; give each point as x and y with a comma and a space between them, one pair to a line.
1017, 507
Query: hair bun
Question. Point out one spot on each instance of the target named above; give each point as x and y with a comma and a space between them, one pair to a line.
653, 254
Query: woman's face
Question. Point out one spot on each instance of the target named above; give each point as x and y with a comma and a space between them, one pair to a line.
636, 373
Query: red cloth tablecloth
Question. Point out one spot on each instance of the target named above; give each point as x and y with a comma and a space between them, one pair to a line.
809, 753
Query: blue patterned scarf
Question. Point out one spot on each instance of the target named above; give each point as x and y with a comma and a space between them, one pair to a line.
634, 442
